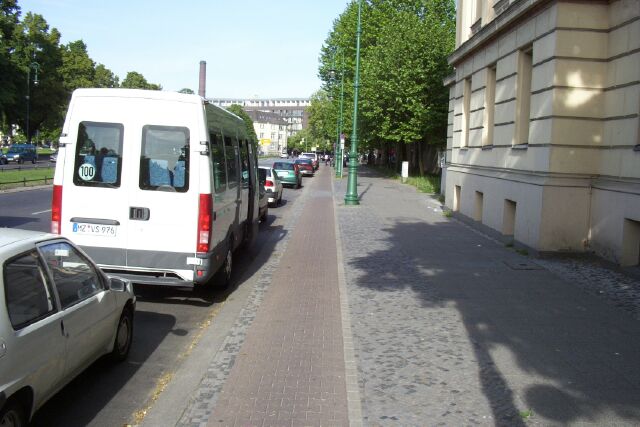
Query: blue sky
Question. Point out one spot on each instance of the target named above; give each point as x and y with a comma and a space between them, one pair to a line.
252, 47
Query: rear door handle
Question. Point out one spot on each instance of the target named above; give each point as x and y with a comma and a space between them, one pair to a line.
139, 214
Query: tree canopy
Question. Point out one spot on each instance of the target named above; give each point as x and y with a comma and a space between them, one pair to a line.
29, 47
403, 61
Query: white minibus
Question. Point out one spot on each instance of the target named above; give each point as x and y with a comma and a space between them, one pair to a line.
158, 187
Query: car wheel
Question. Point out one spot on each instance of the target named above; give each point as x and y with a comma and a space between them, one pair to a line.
124, 336
33, 161
13, 415
279, 201
20, 161
223, 276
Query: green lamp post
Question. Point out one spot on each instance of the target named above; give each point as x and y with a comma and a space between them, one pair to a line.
339, 138
35, 66
351, 198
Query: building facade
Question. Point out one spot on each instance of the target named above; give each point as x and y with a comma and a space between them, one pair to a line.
543, 143
292, 110
271, 130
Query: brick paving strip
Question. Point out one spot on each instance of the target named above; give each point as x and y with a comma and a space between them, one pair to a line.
291, 368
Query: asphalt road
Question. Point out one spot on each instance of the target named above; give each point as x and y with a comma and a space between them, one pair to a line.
168, 322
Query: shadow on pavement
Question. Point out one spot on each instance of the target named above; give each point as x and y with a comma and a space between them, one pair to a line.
538, 341
81, 401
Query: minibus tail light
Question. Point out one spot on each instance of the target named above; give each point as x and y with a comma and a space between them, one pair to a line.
56, 210
204, 222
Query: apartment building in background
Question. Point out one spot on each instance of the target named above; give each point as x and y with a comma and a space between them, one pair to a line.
292, 110
271, 130
543, 145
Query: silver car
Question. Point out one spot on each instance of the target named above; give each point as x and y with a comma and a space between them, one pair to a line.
272, 184
58, 314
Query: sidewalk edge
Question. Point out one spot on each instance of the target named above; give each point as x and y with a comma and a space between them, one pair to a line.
354, 405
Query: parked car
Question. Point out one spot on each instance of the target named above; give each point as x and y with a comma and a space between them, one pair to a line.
58, 314
289, 173
53, 157
312, 156
21, 153
306, 166
284, 154
272, 184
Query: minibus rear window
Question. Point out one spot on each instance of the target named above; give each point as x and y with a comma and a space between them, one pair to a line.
98, 159
164, 161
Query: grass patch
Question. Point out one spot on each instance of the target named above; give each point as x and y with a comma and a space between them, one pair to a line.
447, 213
525, 415
25, 177
425, 184
522, 252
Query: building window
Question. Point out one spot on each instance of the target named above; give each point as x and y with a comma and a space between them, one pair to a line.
466, 106
523, 96
489, 106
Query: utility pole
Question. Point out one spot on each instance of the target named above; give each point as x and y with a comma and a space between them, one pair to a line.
351, 198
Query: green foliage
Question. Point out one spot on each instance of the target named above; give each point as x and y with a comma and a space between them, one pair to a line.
187, 91
135, 80
238, 111
425, 184
77, 69
27, 45
104, 77
403, 61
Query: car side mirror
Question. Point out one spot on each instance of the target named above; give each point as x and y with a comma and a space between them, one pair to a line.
118, 284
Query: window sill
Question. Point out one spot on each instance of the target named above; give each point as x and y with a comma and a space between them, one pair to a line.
520, 146
487, 147
636, 147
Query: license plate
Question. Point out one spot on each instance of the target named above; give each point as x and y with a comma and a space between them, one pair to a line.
95, 229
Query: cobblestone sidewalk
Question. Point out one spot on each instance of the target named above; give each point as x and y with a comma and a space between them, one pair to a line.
452, 328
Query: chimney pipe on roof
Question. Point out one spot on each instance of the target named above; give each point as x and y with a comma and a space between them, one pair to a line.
202, 86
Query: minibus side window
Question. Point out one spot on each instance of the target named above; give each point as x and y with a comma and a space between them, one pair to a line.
164, 161
231, 155
98, 157
218, 163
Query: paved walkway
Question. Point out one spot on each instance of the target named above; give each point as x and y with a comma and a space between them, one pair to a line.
404, 317
452, 328
291, 369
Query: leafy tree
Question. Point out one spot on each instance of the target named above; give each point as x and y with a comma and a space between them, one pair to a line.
9, 72
403, 60
104, 77
187, 91
37, 46
77, 70
135, 80
238, 111
323, 121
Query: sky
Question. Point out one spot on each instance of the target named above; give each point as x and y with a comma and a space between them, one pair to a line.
253, 48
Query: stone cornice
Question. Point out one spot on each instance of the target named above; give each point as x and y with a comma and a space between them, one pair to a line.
517, 10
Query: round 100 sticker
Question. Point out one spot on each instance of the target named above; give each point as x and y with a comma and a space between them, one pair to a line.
87, 171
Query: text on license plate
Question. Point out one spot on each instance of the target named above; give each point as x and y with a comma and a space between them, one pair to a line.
95, 229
